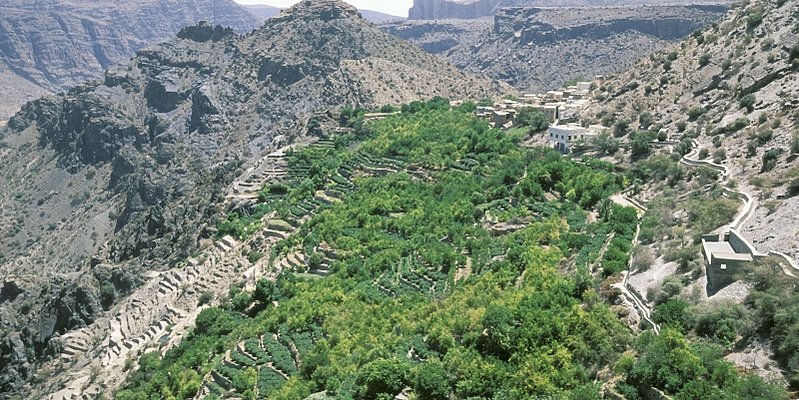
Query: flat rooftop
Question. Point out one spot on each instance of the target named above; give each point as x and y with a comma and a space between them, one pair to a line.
723, 251
567, 128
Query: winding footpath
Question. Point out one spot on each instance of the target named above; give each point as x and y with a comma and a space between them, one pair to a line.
626, 290
787, 264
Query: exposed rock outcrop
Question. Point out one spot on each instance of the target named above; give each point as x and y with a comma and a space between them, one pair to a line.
537, 49
473, 9
733, 84
443, 9
52, 45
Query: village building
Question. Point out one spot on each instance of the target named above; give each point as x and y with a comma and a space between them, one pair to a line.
584, 86
727, 256
566, 137
484, 112
554, 95
502, 118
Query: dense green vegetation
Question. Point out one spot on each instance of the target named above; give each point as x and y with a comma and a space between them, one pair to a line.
460, 264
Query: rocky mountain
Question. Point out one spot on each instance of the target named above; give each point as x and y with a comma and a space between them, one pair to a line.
734, 86
379, 18
122, 179
51, 45
265, 12
537, 49
472, 9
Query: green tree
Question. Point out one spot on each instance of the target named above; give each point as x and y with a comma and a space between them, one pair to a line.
429, 381
383, 377
535, 120
747, 102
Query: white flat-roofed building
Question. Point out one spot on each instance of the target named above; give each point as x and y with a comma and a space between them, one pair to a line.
564, 137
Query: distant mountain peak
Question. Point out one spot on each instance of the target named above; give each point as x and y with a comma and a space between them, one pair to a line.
325, 10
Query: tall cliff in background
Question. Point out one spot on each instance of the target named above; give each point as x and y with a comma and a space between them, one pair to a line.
538, 49
51, 45
463, 9
473, 9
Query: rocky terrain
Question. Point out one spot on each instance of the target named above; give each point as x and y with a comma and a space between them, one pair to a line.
265, 12
48, 46
538, 49
735, 84
117, 182
262, 11
473, 9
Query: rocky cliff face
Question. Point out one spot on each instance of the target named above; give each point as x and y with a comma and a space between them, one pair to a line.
51, 45
443, 9
537, 49
121, 177
473, 9
735, 85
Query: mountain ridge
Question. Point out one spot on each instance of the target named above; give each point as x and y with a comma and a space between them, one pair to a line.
538, 49
53, 45
728, 84
264, 12
473, 9
144, 157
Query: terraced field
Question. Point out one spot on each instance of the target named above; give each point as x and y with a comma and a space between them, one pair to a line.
411, 248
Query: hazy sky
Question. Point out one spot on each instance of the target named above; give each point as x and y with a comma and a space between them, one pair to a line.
393, 7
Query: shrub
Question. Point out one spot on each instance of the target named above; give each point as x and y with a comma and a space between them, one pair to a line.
642, 258
672, 56
205, 298
751, 149
793, 54
703, 154
719, 156
747, 102
645, 119
695, 113
621, 128
640, 145
736, 126
754, 19
254, 257
671, 313
795, 145
764, 136
533, 119
704, 60
605, 143
383, 377
793, 187
429, 381
667, 66
726, 65
770, 160
681, 126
